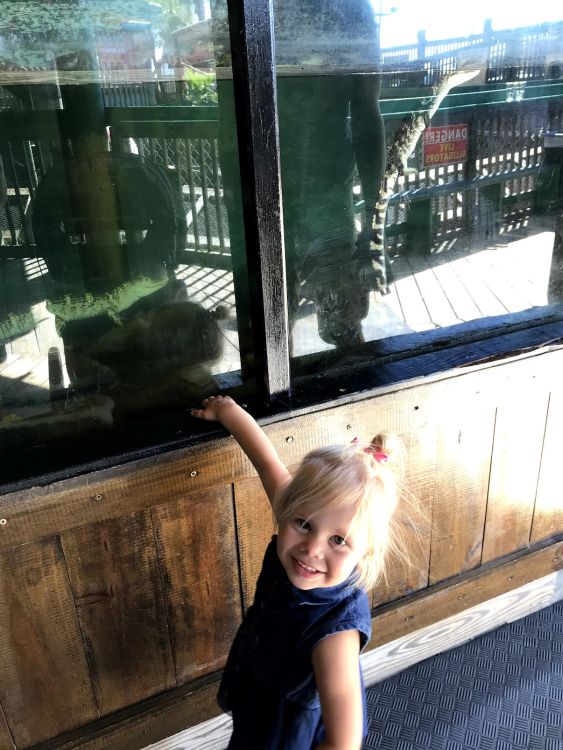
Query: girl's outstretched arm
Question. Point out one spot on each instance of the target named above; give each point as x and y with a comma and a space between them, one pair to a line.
337, 674
250, 437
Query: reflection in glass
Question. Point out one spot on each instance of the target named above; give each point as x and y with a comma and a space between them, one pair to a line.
116, 283
464, 224
332, 149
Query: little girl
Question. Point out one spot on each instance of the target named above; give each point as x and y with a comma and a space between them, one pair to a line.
292, 680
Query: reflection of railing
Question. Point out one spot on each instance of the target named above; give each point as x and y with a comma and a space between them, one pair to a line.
496, 182
188, 149
523, 54
495, 186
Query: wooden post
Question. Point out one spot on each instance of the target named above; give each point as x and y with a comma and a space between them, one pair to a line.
92, 194
421, 39
555, 285
419, 226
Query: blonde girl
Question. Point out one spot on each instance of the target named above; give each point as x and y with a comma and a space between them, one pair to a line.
293, 680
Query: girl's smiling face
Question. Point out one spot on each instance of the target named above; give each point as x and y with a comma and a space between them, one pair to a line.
320, 549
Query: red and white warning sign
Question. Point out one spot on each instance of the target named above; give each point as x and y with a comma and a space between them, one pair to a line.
444, 145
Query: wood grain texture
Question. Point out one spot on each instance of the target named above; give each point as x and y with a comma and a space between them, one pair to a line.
398, 655
153, 720
198, 558
519, 429
164, 716
446, 600
44, 511
412, 648
45, 687
255, 524
115, 492
465, 439
117, 590
136, 624
407, 570
6, 739
548, 513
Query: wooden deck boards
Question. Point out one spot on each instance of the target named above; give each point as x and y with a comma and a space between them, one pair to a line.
431, 291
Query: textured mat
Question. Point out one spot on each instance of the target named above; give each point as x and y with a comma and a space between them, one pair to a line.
501, 691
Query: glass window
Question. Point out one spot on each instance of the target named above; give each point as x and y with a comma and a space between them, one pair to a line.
119, 298
421, 157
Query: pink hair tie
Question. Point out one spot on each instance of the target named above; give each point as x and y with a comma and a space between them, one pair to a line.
379, 456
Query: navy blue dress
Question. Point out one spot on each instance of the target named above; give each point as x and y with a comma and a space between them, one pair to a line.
268, 684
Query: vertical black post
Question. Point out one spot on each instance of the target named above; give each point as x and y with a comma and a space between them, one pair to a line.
252, 53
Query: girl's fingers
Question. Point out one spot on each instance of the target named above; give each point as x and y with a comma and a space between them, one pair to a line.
207, 411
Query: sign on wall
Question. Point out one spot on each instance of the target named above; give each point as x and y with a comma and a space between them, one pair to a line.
444, 145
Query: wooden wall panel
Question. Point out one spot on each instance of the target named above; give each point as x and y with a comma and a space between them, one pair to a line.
519, 430
198, 556
117, 588
414, 423
548, 513
45, 686
6, 740
255, 524
152, 546
465, 439
115, 492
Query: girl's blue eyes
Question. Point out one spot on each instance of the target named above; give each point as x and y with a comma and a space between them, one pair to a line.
304, 525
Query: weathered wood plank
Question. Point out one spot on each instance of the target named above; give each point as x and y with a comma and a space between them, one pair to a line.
45, 686
458, 294
117, 591
6, 739
519, 430
413, 422
114, 492
400, 635
465, 440
255, 524
548, 513
147, 723
197, 552
477, 587
437, 298
398, 655
138, 485
44, 511
484, 298
413, 306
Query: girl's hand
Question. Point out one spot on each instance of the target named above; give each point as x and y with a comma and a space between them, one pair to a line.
215, 408
250, 437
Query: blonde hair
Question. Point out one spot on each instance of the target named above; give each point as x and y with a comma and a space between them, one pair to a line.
368, 478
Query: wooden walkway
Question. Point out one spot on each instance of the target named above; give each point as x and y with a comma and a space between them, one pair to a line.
429, 292
452, 286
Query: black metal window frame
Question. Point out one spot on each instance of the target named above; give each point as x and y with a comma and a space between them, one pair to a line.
254, 82
375, 365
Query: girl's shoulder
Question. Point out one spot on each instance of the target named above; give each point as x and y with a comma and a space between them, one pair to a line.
350, 611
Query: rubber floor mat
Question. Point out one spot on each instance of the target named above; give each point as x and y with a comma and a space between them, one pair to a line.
500, 691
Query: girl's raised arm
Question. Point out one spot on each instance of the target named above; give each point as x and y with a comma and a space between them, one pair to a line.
337, 674
250, 437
